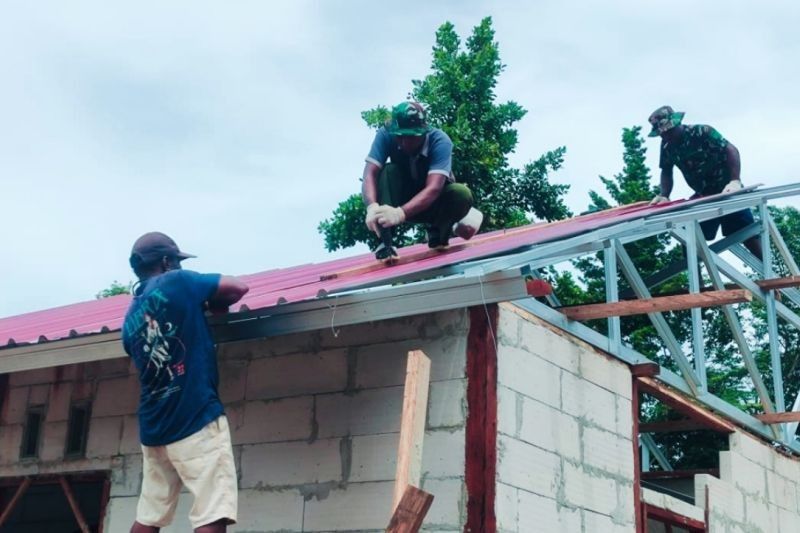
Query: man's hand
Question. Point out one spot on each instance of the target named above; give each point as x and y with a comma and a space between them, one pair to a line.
659, 200
732, 186
372, 217
389, 216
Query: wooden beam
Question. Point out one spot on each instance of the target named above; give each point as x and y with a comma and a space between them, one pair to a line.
684, 405
678, 474
672, 426
779, 418
657, 304
412, 425
645, 369
411, 511
779, 283
15, 500
73, 503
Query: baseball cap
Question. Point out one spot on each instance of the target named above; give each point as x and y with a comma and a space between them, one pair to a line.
152, 247
409, 118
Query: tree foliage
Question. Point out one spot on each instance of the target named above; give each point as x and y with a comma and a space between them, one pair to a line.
114, 289
459, 95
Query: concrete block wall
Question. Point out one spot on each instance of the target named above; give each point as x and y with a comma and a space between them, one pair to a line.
758, 489
565, 451
314, 417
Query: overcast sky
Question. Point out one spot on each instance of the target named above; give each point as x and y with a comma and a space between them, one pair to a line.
235, 127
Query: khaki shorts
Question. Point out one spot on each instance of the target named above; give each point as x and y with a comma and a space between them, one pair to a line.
203, 463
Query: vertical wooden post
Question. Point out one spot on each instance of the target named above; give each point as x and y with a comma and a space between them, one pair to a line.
15, 500
412, 426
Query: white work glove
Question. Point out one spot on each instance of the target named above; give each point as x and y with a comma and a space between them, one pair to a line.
389, 216
732, 186
659, 200
372, 217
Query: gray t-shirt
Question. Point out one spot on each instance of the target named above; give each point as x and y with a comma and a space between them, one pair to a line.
435, 157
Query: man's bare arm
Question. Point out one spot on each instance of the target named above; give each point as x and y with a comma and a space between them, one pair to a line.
229, 291
369, 189
666, 182
734, 162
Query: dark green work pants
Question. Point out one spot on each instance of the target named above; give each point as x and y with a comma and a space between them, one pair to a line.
396, 188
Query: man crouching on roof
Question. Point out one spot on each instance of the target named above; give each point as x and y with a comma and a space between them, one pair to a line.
182, 426
417, 185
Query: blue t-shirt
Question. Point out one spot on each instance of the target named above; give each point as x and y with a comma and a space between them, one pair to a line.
166, 334
435, 156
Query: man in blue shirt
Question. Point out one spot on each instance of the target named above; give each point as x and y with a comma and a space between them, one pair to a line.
182, 426
417, 185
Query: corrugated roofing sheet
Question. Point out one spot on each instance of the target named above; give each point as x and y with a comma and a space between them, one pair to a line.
307, 282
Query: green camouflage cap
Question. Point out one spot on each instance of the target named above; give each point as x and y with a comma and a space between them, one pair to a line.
408, 118
664, 119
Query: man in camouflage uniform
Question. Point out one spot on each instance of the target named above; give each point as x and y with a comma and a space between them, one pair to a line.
416, 184
709, 163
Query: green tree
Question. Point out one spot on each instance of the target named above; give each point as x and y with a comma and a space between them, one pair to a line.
114, 289
459, 95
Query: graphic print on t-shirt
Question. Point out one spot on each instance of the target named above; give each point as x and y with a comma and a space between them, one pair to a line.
156, 339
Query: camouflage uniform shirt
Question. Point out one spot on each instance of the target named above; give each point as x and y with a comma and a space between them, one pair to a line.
701, 156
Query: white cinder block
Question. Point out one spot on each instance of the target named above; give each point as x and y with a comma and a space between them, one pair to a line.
374, 457
359, 507
509, 406
781, 491
16, 406
273, 510
609, 452
624, 417
507, 508
296, 375
127, 479
443, 454
53, 442
273, 421
32, 377
609, 373
290, 463
394, 330
599, 522
383, 365
664, 501
550, 429
363, 413
528, 374
508, 328
232, 379
589, 491
586, 400
788, 522
527, 467
538, 513
121, 513
447, 403
448, 356
131, 443
723, 498
59, 402
745, 475
104, 436
38, 395
554, 348
116, 396
759, 513
752, 449
449, 499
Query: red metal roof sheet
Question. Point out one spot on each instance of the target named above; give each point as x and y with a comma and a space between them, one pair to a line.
307, 282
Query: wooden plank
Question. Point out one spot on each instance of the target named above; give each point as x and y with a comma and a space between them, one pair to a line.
645, 369
15, 500
683, 405
411, 511
73, 503
678, 474
672, 426
779, 418
657, 304
412, 425
779, 283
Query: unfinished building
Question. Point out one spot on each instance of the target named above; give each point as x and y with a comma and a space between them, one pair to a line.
524, 419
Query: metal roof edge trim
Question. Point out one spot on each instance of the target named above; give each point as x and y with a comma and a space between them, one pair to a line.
428, 296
